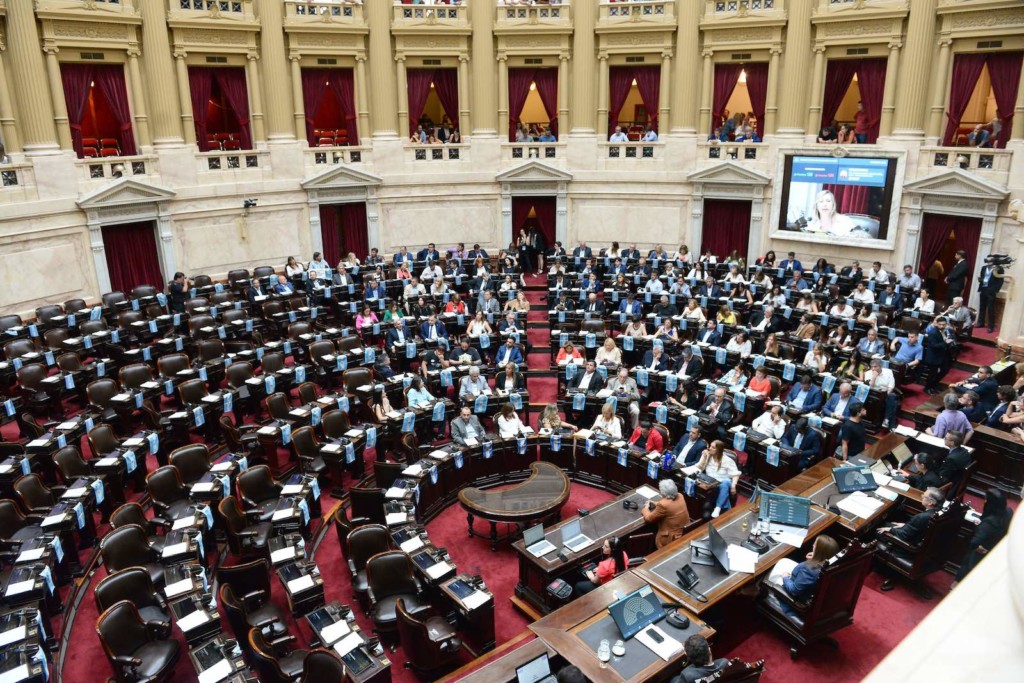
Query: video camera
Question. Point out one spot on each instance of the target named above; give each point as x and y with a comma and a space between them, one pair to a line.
1000, 259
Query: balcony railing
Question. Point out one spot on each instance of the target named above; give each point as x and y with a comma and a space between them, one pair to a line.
630, 150
519, 15
438, 152
618, 12
17, 183
736, 151
533, 150
233, 160
109, 168
742, 7
213, 6
305, 11
441, 15
330, 156
993, 164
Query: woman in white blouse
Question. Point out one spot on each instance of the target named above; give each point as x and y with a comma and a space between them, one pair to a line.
816, 358
292, 267
682, 254
608, 423
609, 353
739, 344
734, 276
722, 468
509, 424
761, 280
478, 325
635, 328
694, 312
924, 302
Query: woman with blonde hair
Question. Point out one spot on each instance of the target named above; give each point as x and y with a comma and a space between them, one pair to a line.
609, 353
608, 422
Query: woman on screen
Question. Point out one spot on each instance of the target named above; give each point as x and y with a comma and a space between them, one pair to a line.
827, 219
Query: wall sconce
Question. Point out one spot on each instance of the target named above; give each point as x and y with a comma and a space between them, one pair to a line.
732, 152
117, 170
963, 161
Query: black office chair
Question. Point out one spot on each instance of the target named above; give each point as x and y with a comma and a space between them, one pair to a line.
134, 650
390, 578
134, 585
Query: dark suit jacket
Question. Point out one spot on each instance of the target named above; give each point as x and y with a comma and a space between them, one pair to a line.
994, 283
856, 274
887, 299
584, 253
596, 383
833, 402
426, 254
987, 393
635, 309
923, 481
993, 419
794, 264
252, 293
615, 270
811, 444
520, 382
774, 325
811, 402
441, 330
392, 335
596, 307
630, 254
402, 258
714, 293
474, 253
913, 531
693, 369
694, 455
957, 276
713, 337
724, 410
953, 466
934, 347
649, 358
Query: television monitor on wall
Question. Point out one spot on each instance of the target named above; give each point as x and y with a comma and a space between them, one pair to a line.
837, 198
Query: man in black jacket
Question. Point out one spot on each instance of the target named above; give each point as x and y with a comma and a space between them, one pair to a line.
957, 277
990, 280
912, 532
956, 461
701, 663
983, 384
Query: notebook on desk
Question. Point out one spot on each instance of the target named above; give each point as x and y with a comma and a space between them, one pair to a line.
535, 671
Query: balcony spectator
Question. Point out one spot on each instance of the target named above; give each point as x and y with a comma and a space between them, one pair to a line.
827, 135
618, 135
649, 134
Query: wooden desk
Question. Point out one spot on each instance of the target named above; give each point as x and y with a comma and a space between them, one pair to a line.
660, 567
500, 667
575, 630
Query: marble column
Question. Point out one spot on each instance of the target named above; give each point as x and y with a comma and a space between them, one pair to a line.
817, 85
1017, 130
602, 96
892, 73
403, 95
464, 120
274, 69
686, 92
362, 99
563, 91
8, 124
188, 125
259, 133
940, 90
298, 102
60, 105
793, 100
158, 68
707, 85
138, 99
485, 114
583, 76
35, 105
664, 97
503, 113
771, 107
383, 94
909, 116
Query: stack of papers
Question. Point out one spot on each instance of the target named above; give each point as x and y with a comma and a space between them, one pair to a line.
193, 619
217, 672
267, 431
412, 471
300, 584
395, 492
335, 632
859, 504
348, 643
412, 544
178, 587
175, 549
474, 600
438, 570
282, 554
668, 648
286, 513
742, 560
647, 492
393, 518
291, 489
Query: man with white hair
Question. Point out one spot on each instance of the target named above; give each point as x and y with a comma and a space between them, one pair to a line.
838, 404
959, 313
881, 379
669, 513
913, 531
472, 385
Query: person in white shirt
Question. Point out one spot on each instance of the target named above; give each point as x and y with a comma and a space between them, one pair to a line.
862, 294
924, 302
882, 379
739, 344
694, 312
608, 423
431, 272
507, 285
438, 287
618, 135
654, 285
319, 265
508, 422
650, 135
478, 326
609, 353
293, 267
841, 309
734, 275
877, 273
735, 378
414, 289
769, 311
771, 423
817, 358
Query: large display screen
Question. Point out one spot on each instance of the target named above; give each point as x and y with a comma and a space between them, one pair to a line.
837, 197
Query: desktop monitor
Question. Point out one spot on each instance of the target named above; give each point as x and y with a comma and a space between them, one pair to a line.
636, 611
850, 479
784, 509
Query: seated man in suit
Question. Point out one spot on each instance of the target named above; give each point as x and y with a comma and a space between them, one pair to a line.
594, 305
428, 254
509, 353
701, 663
382, 365
688, 364
464, 354
912, 532
719, 410
624, 388
375, 290
403, 257
689, 448
710, 288
791, 263
1006, 395
476, 252
508, 325
983, 384
800, 437
797, 281
669, 513
630, 306
838, 404
655, 359
433, 329
283, 286
488, 304
804, 397
630, 252
971, 408
587, 382
255, 290
952, 467
767, 322
466, 426
341, 277
710, 335
618, 268
472, 385
583, 251
871, 345
398, 333
665, 309
853, 271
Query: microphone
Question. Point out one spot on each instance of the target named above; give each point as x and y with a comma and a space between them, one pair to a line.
830, 507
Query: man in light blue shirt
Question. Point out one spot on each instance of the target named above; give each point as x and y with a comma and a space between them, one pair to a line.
546, 136
650, 135
910, 351
654, 285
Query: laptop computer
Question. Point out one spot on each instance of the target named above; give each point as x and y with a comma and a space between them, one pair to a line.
636, 611
535, 671
535, 542
850, 479
573, 538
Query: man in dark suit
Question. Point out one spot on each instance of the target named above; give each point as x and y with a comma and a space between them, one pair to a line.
800, 437
710, 288
594, 305
587, 382
655, 359
375, 290
631, 252
1006, 394
983, 384
838, 404
956, 461
710, 335
398, 333
403, 257
254, 291
971, 408
582, 251
690, 447
790, 263
718, 409
804, 397
630, 306
889, 298
767, 321
853, 272
689, 364
935, 354
618, 267
476, 252
433, 328
428, 254
509, 353
913, 531
990, 280
957, 276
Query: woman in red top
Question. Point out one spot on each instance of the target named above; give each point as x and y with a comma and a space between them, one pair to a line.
455, 305
613, 563
760, 383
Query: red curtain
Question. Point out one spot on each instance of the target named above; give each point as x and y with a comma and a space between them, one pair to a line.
343, 83
313, 91
544, 208
110, 81
838, 77
518, 90
231, 82
353, 229
726, 77
547, 88
726, 226
620, 80
1004, 70
871, 82
324, 87
418, 81
935, 229
850, 198
520, 213
966, 70
968, 233
446, 85
330, 235
200, 83
131, 256
757, 88
648, 82
76, 79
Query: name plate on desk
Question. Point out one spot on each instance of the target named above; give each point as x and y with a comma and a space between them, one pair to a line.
335, 632
300, 584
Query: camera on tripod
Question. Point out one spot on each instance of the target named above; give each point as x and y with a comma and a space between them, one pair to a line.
1000, 259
